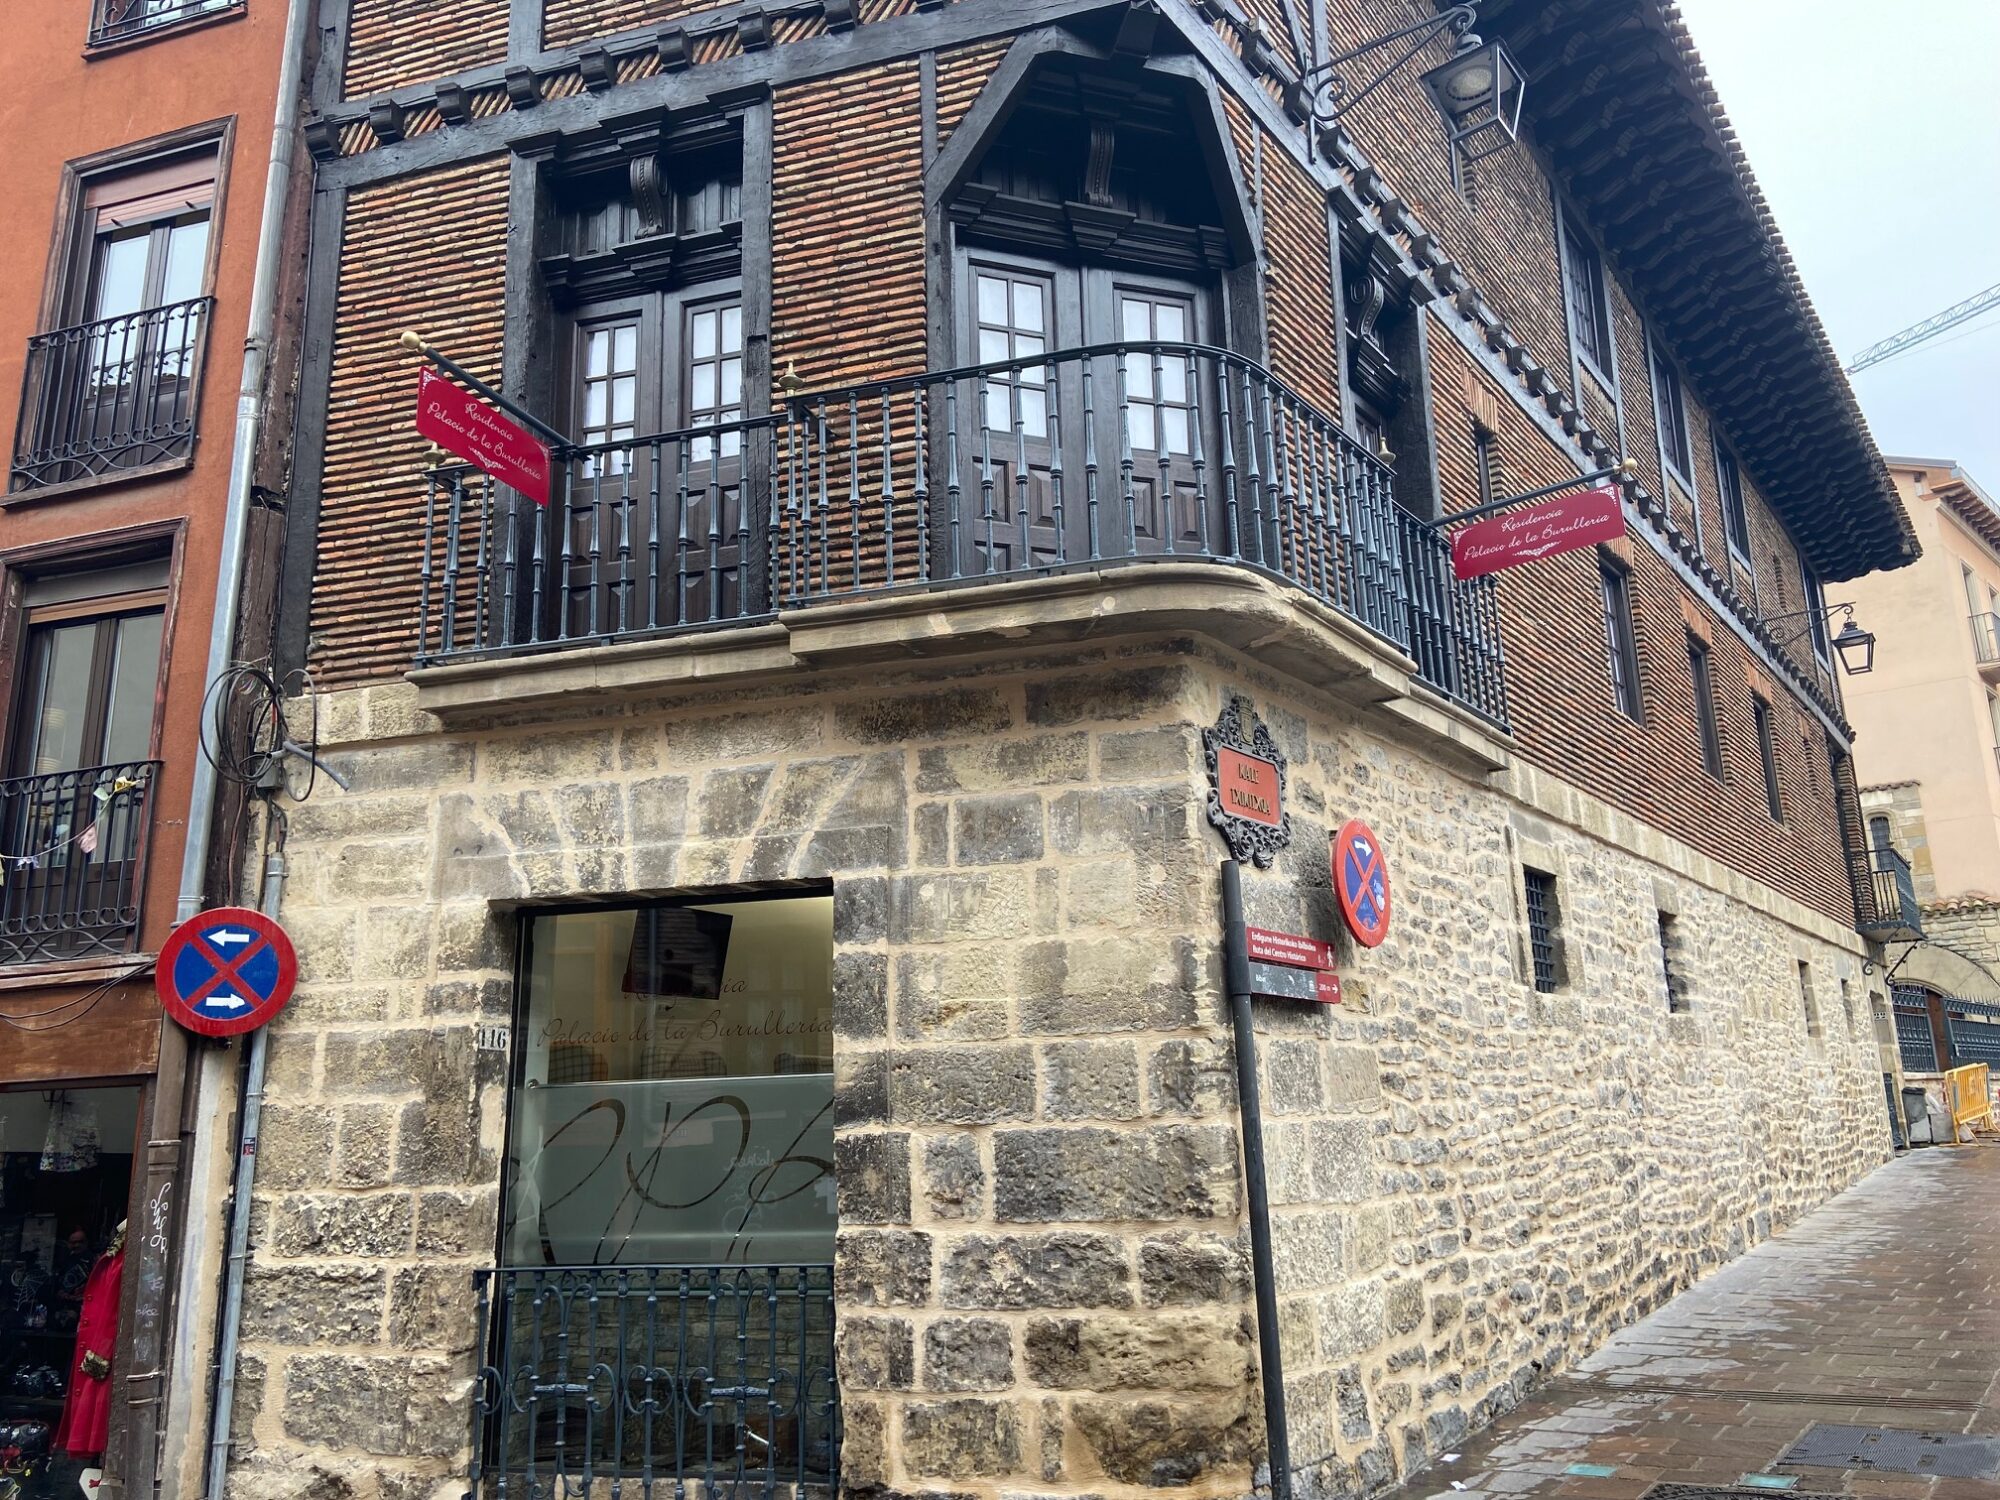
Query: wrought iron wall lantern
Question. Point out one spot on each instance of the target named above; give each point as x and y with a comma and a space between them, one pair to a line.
1478, 91
1854, 646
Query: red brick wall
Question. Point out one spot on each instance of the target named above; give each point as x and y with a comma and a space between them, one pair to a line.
1559, 686
1298, 277
396, 272
394, 42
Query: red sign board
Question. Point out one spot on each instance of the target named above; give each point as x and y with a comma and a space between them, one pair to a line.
226, 971
463, 424
1248, 787
1327, 988
1361, 880
1555, 526
1268, 947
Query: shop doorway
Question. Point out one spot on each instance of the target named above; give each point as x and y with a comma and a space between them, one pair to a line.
664, 1297
65, 1181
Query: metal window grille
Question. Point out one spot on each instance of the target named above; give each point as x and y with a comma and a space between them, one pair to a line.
1674, 985
684, 1380
1767, 750
1541, 895
1702, 676
1621, 651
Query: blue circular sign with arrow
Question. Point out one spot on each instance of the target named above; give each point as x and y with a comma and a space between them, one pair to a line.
1361, 880
226, 971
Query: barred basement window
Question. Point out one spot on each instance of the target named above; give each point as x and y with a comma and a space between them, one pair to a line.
1669, 941
1767, 750
1540, 888
1810, 1005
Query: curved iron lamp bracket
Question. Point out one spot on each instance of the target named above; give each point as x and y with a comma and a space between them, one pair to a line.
1319, 94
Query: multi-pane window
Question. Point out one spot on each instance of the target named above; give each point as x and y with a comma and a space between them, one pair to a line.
1767, 752
1589, 309
114, 387
79, 769
1701, 675
1816, 613
1676, 986
1158, 387
1735, 519
1539, 892
1013, 314
1621, 647
609, 391
1670, 406
714, 346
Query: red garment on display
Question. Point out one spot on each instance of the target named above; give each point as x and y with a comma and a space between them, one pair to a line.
86, 1418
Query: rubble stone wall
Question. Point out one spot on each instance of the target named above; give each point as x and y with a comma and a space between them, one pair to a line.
1042, 1272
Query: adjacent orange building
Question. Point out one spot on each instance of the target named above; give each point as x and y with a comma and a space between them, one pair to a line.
139, 147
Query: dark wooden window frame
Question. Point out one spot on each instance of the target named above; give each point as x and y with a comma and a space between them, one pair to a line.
1767, 753
1735, 508
1579, 260
1701, 680
69, 261
1814, 601
1670, 409
1621, 639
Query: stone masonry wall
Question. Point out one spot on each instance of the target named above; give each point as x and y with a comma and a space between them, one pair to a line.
1042, 1268
1475, 1183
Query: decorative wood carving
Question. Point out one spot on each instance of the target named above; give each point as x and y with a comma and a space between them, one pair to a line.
1097, 165
648, 180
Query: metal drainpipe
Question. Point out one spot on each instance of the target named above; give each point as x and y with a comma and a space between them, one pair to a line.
1262, 1269
239, 1219
165, 1127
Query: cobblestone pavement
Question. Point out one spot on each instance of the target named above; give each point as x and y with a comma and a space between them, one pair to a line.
1878, 1310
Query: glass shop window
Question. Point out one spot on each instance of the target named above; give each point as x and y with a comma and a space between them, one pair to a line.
673, 1091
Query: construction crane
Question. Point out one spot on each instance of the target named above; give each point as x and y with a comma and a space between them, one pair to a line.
1931, 327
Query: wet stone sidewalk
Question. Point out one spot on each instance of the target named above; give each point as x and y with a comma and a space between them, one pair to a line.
1877, 1311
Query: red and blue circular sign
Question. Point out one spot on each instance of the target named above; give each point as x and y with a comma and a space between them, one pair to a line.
1361, 880
226, 971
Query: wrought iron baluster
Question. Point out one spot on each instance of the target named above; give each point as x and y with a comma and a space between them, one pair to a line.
825, 503
888, 494
682, 541
509, 568
954, 492
594, 578
715, 531
454, 526
1018, 412
424, 569
1090, 496
1054, 396
481, 586
653, 536
1125, 458
921, 492
986, 466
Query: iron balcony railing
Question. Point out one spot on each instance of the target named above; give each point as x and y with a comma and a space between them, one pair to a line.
119, 20
120, 393
1088, 458
73, 861
1986, 641
659, 1381
1885, 896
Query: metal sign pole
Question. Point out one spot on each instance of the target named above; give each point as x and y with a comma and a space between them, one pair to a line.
414, 342
1236, 971
1624, 466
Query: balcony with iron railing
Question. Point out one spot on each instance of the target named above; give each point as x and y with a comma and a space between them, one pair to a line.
1986, 645
116, 21
117, 395
1885, 896
1109, 457
73, 861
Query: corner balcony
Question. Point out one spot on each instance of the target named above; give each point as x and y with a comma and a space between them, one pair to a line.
1073, 465
1885, 897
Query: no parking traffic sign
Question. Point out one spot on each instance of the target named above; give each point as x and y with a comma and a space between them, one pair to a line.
1361, 880
226, 971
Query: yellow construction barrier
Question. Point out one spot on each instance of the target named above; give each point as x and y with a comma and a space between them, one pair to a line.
1971, 1106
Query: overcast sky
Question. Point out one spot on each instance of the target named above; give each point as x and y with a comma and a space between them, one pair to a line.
1874, 130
